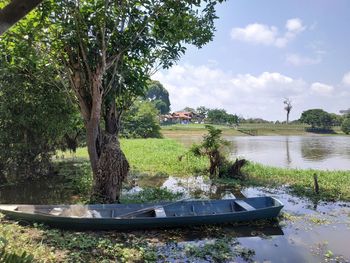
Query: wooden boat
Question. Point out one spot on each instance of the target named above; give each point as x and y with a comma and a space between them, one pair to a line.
140, 216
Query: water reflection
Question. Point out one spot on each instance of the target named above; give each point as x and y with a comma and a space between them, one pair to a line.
304, 152
315, 152
314, 149
215, 244
289, 160
191, 187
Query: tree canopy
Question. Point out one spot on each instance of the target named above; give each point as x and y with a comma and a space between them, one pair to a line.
317, 118
220, 116
35, 110
159, 96
345, 126
141, 121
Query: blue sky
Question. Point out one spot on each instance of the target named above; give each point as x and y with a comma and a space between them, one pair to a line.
264, 51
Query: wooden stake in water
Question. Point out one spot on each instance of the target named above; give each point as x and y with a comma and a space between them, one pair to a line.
316, 187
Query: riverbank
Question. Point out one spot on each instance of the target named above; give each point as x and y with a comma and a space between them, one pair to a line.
254, 129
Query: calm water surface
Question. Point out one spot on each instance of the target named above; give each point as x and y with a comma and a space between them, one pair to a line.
314, 152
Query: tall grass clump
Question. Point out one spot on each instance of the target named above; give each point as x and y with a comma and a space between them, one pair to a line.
334, 185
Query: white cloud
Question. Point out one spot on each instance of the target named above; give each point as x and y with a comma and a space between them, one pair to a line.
321, 88
298, 60
268, 35
249, 95
255, 33
295, 25
346, 79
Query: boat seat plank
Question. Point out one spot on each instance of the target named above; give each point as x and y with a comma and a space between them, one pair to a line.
140, 211
160, 212
244, 205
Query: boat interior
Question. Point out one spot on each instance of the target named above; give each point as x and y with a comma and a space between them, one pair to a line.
169, 209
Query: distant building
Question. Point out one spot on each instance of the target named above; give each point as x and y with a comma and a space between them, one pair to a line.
183, 117
345, 111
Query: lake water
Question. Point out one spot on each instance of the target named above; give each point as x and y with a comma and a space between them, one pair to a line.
314, 152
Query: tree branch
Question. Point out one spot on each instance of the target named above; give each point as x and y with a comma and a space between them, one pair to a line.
14, 11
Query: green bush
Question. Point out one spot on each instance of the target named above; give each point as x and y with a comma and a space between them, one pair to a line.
345, 127
141, 121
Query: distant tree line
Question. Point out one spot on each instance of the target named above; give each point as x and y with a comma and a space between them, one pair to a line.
216, 116
322, 121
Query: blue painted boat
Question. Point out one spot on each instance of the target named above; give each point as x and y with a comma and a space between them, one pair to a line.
142, 216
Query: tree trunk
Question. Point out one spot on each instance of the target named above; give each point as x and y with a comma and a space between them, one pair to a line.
108, 163
112, 170
110, 117
215, 161
111, 164
287, 117
235, 169
93, 137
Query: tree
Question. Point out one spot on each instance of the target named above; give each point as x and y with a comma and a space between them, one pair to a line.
212, 147
215, 148
159, 96
74, 135
141, 121
345, 127
189, 109
288, 107
107, 50
202, 111
345, 111
34, 111
317, 118
337, 120
220, 116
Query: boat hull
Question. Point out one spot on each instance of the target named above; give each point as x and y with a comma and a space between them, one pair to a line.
117, 223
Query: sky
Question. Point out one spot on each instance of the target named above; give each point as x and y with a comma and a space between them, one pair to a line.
263, 52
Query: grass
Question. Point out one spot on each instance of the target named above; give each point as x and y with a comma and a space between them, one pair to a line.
334, 185
155, 156
180, 130
52, 245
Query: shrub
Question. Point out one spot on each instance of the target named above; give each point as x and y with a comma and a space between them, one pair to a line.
345, 127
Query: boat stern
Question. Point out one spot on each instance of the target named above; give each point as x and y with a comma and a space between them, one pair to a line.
277, 202
8, 207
